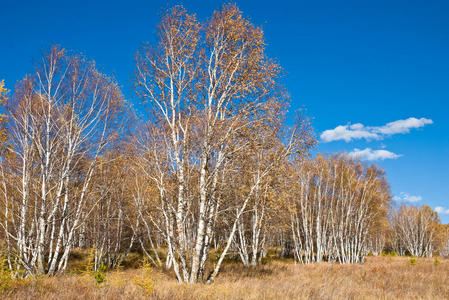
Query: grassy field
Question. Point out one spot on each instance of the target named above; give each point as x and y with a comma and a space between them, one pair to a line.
377, 278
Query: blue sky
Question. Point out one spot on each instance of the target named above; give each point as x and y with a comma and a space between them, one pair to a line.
347, 62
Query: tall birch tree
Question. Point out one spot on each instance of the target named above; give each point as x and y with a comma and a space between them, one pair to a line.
207, 86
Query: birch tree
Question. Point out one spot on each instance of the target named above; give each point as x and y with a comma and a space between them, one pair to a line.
415, 229
207, 86
61, 120
109, 227
443, 245
268, 153
335, 205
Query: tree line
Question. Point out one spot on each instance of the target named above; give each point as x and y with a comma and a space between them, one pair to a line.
207, 167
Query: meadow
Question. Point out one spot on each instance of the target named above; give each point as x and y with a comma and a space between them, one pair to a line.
383, 277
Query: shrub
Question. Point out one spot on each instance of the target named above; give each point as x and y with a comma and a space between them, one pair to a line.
145, 280
436, 262
100, 274
5, 273
389, 253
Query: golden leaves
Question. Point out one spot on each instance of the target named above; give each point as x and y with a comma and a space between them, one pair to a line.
3, 91
3, 118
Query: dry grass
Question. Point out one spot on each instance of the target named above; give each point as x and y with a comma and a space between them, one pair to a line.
377, 278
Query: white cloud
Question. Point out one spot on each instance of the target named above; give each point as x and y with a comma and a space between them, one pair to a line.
442, 210
347, 133
402, 126
369, 154
404, 197
360, 131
